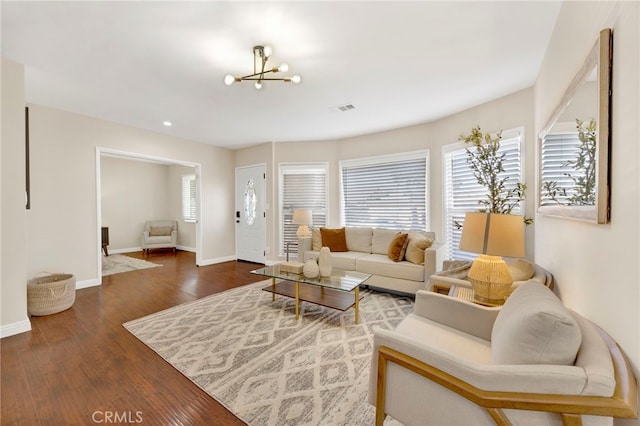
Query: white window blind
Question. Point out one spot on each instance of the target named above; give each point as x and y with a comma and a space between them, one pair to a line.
557, 150
462, 190
302, 186
189, 198
388, 191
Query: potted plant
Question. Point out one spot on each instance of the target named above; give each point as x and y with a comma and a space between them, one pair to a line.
486, 161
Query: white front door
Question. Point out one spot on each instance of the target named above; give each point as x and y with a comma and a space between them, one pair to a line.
251, 229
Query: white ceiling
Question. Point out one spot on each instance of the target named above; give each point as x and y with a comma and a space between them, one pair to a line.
398, 63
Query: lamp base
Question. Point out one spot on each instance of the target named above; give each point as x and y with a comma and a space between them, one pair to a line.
490, 279
303, 232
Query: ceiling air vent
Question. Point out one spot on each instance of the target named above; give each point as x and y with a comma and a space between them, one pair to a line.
343, 108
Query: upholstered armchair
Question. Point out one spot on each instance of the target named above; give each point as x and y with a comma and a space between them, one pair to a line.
529, 362
159, 234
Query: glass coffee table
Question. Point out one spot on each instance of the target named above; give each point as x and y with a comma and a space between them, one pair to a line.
339, 291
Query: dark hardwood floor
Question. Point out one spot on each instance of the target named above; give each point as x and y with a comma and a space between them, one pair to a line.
81, 367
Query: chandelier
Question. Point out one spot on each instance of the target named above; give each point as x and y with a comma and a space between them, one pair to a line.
261, 55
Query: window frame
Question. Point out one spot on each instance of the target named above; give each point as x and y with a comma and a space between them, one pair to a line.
386, 159
299, 168
191, 197
509, 135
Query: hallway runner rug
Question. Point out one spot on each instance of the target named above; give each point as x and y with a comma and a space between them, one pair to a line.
252, 356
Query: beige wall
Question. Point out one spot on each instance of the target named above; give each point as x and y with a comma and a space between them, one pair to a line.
597, 266
13, 262
133, 192
509, 112
62, 226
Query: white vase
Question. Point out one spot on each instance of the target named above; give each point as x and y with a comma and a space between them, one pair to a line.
324, 262
310, 269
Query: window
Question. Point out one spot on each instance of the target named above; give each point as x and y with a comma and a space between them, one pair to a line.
189, 198
302, 186
388, 191
462, 191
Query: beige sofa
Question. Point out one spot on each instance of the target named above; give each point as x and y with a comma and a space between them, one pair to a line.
368, 253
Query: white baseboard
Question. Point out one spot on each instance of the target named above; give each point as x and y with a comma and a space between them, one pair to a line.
185, 248
217, 260
15, 328
87, 283
125, 250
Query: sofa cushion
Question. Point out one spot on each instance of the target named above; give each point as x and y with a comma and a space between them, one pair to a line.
533, 327
380, 264
397, 247
381, 239
335, 239
316, 239
418, 243
345, 260
156, 231
359, 239
159, 239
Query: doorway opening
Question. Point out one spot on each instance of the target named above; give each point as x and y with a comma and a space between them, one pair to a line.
125, 200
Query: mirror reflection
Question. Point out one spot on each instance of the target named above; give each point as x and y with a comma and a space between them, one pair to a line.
574, 145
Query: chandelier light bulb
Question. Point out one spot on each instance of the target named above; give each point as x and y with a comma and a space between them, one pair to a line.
261, 72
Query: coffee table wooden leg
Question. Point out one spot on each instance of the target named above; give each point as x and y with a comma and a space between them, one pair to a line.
357, 302
297, 300
273, 287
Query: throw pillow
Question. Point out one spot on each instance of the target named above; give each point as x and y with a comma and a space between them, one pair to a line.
157, 231
416, 247
316, 239
397, 247
335, 239
520, 269
381, 239
533, 327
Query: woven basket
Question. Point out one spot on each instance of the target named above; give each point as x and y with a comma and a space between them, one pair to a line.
50, 294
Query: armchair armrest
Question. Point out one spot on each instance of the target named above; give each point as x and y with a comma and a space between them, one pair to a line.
525, 378
433, 257
467, 317
442, 281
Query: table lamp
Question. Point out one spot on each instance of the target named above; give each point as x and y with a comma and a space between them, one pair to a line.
492, 235
303, 218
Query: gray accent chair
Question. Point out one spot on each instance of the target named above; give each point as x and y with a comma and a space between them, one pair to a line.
159, 234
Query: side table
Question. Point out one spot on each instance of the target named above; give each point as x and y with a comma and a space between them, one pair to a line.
466, 293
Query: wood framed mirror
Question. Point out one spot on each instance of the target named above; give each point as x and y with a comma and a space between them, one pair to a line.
573, 174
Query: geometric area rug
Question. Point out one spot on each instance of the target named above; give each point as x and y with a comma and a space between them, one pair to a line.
117, 263
252, 356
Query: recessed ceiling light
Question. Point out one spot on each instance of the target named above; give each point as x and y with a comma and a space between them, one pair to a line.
167, 123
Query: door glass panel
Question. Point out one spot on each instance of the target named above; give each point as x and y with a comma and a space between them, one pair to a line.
250, 202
